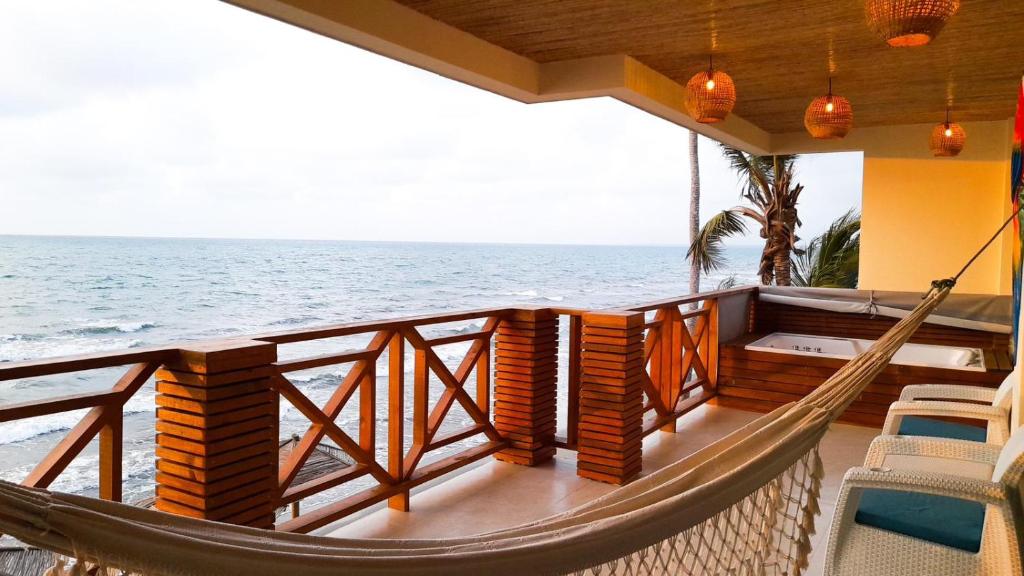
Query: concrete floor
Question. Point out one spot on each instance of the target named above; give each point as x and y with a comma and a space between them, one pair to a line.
497, 495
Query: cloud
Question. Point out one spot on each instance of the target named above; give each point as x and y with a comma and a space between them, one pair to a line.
196, 118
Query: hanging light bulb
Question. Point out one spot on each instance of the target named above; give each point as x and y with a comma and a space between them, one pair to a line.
829, 117
909, 22
710, 95
947, 138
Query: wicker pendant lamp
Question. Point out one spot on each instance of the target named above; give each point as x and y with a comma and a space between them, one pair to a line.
829, 117
909, 22
947, 138
710, 95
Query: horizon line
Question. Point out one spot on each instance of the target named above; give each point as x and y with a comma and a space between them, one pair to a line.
350, 240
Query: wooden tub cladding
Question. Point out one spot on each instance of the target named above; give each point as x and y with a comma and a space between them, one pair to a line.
762, 381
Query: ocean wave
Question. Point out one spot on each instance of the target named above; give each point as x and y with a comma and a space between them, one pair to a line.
100, 327
140, 403
21, 430
330, 376
80, 475
28, 428
533, 294
453, 329
16, 347
474, 326
296, 320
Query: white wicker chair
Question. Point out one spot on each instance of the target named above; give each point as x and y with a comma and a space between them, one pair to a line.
859, 549
958, 402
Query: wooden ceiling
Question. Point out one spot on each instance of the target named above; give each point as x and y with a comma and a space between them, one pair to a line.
779, 52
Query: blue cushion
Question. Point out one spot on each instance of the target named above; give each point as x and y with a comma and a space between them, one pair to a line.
939, 519
918, 426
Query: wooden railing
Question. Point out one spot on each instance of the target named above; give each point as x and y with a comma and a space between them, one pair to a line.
504, 383
680, 356
403, 469
104, 419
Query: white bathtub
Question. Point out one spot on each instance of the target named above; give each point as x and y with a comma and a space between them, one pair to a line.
952, 357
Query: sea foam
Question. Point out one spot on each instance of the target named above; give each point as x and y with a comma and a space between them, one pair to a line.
28, 428
16, 347
109, 327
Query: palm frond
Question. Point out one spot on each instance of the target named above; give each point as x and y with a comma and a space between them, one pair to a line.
760, 176
754, 174
727, 282
707, 251
831, 260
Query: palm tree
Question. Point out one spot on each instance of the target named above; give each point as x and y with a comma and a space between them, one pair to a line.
694, 213
831, 260
768, 186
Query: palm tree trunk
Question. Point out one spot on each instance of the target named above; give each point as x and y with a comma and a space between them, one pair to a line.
782, 268
766, 268
784, 245
694, 213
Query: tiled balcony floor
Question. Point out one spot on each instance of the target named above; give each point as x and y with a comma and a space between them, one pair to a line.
496, 495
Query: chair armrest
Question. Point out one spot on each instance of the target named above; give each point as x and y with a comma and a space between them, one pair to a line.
948, 392
883, 446
973, 489
951, 409
998, 419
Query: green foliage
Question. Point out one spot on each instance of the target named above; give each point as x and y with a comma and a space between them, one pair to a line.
831, 260
707, 251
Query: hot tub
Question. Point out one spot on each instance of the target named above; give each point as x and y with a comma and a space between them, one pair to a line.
953, 357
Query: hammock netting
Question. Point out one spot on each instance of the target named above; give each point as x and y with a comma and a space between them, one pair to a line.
744, 505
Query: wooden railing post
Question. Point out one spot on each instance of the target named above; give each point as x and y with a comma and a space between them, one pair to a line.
217, 433
671, 343
712, 343
111, 455
525, 385
396, 417
611, 407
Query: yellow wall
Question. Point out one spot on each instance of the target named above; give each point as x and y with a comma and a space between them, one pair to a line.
923, 217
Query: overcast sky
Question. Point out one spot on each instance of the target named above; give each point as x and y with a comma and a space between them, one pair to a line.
196, 118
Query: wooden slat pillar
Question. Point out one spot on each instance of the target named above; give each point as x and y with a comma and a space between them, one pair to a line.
611, 408
525, 381
217, 433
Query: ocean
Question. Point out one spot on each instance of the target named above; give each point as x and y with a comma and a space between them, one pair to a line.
73, 295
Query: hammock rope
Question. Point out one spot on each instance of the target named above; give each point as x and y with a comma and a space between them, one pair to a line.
984, 247
744, 506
